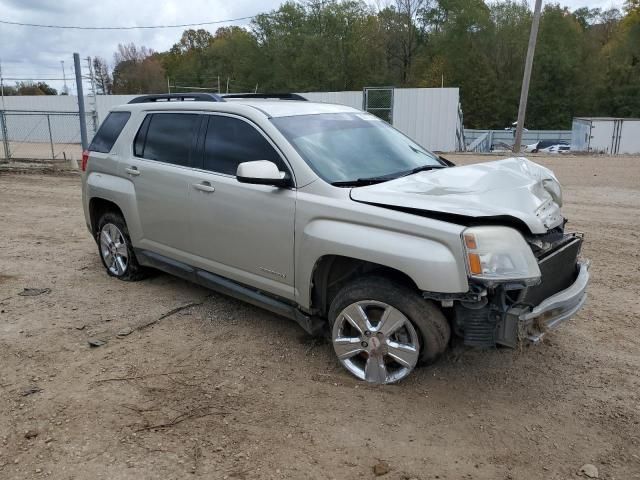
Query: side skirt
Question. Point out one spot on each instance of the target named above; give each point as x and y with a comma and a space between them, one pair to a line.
312, 325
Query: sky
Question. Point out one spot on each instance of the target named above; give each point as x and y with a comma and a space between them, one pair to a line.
35, 53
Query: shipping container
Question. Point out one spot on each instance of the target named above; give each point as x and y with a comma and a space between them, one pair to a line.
605, 135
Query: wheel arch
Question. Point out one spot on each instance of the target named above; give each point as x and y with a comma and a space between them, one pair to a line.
106, 192
332, 272
98, 207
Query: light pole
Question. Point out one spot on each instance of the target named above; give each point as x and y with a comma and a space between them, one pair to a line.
65, 89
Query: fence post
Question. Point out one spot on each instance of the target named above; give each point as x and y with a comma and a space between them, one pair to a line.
83, 118
53, 155
5, 136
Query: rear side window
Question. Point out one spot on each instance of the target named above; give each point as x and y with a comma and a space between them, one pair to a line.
230, 141
109, 131
167, 137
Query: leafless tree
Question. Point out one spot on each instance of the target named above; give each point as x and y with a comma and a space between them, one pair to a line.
130, 52
104, 84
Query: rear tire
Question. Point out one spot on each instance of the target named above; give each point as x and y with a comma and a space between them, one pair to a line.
424, 317
116, 250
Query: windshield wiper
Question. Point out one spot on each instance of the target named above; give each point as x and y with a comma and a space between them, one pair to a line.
423, 168
361, 182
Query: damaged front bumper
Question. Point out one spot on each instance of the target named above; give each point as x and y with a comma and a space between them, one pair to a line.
525, 323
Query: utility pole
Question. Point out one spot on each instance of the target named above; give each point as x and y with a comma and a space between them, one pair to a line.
65, 89
524, 92
1, 86
81, 112
227, 84
92, 77
218, 83
3, 121
93, 95
168, 86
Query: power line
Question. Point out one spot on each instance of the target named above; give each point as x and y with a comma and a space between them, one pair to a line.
30, 78
137, 27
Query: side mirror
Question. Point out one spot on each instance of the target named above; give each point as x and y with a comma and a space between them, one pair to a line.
262, 172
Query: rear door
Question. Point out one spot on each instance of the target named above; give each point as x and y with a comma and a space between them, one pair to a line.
241, 231
161, 171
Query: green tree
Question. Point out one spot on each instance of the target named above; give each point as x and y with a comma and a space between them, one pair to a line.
587, 61
138, 70
33, 88
554, 93
619, 93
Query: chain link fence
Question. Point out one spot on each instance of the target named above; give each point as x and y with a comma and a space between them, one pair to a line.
41, 135
379, 102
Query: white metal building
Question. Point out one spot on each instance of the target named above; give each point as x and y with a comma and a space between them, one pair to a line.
430, 116
606, 135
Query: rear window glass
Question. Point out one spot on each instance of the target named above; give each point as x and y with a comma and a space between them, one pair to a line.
168, 138
109, 131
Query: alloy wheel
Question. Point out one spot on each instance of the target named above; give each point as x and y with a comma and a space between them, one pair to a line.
375, 342
113, 248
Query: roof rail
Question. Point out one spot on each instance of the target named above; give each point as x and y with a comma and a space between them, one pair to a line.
178, 97
279, 96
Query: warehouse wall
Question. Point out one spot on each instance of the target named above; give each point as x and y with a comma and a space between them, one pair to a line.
428, 115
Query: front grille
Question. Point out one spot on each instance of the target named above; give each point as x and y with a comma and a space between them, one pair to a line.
558, 271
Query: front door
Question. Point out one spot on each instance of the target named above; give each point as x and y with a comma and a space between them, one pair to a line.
241, 231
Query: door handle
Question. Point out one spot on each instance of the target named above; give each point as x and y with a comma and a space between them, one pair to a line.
204, 187
132, 171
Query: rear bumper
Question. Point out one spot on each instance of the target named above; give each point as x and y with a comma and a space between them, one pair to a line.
555, 310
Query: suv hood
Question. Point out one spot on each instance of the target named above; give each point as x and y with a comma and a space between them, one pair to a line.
514, 187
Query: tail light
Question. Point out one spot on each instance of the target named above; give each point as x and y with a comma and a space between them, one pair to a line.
85, 159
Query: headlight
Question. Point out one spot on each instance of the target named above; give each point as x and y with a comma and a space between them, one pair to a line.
499, 254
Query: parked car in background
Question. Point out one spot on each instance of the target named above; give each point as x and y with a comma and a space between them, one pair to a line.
544, 145
556, 149
331, 217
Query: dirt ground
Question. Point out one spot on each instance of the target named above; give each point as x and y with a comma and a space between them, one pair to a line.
226, 390
43, 150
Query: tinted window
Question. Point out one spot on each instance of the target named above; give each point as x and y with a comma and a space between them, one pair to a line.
169, 138
230, 141
138, 144
109, 131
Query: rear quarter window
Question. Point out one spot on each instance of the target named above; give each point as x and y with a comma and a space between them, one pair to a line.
109, 131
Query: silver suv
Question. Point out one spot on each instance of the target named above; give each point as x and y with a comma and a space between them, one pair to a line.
331, 217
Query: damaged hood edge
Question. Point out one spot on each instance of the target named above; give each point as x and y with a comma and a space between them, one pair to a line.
513, 187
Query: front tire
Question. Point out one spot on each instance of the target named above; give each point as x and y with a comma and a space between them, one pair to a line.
116, 251
381, 329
